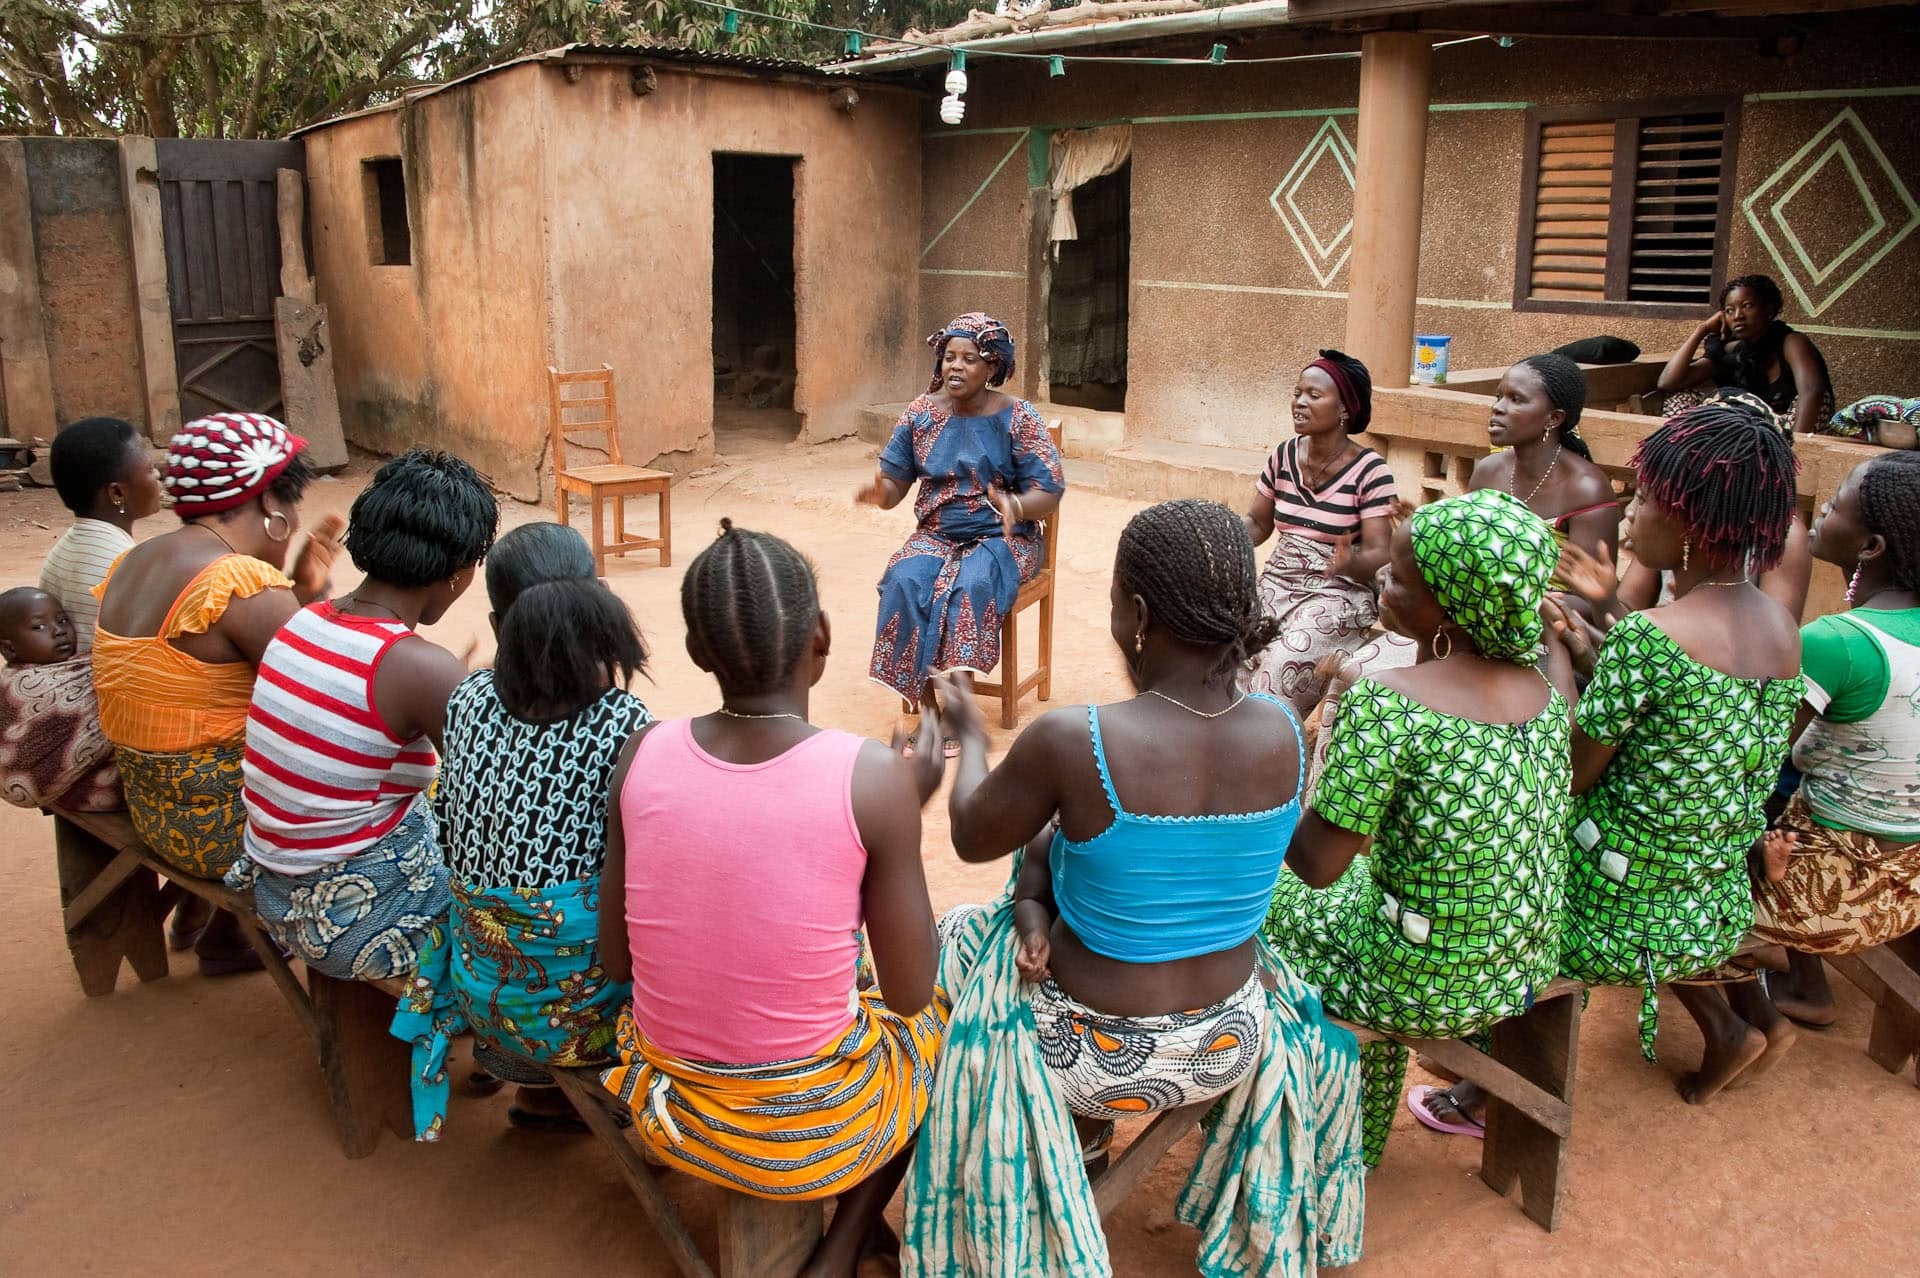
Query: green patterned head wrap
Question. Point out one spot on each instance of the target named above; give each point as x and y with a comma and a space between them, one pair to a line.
1487, 558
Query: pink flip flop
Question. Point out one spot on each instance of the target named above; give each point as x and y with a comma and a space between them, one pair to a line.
1417, 1102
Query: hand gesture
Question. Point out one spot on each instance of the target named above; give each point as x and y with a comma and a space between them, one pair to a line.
874, 492
1342, 559
1341, 672
1715, 324
1032, 955
1590, 576
929, 764
965, 724
1002, 500
1575, 633
1399, 512
313, 569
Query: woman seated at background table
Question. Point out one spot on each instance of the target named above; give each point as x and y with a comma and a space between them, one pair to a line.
746, 851
987, 471
1122, 974
1543, 461
1745, 345
184, 619
342, 853
1452, 776
1681, 731
529, 749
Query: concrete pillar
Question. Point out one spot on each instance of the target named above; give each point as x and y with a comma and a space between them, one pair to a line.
25, 376
159, 375
1395, 69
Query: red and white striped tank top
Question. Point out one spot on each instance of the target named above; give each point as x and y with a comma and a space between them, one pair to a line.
325, 778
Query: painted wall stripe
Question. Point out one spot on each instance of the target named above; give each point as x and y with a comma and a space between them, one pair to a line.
1890, 334
983, 275
978, 192
1809, 95
1225, 117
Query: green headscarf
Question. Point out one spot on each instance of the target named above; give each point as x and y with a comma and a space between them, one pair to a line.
1487, 558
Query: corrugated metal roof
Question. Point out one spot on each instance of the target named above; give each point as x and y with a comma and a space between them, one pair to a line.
693, 59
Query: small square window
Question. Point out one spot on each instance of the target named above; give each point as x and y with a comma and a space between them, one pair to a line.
389, 237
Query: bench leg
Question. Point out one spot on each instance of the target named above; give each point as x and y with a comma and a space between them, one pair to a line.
126, 924
1009, 668
666, 527
1887, 976
765, 1238
1543, 1047
1046, 645
595, 1105
367, 1068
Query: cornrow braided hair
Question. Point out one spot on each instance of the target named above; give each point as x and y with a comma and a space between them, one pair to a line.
750, 601
1726, 472
1194, 565
1890, 506
1567, 391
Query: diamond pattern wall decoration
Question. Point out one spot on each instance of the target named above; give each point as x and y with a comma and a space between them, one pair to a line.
1327, 248
1841, 155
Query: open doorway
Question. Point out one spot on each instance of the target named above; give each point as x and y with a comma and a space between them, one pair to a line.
753, 311
1087, 299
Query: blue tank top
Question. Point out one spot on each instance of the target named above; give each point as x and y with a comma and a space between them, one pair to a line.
1153, 889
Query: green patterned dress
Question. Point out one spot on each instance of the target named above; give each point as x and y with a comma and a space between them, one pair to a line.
1452, 923
1657, 886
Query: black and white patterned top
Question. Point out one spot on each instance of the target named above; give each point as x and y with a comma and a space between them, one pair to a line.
524, 805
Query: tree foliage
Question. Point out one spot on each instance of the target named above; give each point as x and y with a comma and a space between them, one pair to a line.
260, 68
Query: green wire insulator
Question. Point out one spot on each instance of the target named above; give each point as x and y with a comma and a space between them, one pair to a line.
731, 22
1056, 66
1219, 55
853, 44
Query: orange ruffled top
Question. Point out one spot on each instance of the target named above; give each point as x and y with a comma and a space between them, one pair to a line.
157, 699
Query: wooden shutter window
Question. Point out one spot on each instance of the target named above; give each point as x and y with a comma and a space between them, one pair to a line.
1677, 168
1572, 202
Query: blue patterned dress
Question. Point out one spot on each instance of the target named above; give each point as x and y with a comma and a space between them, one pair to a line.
945, 592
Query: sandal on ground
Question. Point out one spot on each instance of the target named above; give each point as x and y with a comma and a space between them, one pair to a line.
1766, 979
1093, 1154
231, 965
1417, 1098
534, 1122
178, 941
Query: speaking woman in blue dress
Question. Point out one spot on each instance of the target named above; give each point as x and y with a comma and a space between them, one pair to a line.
987, 471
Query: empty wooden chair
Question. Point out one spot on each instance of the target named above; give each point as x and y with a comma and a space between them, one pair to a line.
595, 413
1011, 685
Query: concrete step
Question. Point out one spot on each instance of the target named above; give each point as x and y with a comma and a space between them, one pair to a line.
1087, 476
1162, 470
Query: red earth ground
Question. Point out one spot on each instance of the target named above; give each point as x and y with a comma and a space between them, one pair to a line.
181, 1126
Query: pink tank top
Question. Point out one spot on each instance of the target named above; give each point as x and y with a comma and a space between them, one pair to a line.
743, 897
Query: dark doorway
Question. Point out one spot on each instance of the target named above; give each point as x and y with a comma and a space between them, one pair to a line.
1087, 300
753, 315
219, 217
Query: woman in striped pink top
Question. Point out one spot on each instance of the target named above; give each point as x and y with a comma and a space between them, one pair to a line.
342, 853
1330, 500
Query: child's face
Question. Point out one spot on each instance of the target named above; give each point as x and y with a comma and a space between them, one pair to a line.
37, 632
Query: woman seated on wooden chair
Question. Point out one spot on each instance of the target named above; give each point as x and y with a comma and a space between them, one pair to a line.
529, 751
1455, 771
1122, 974
343, 853
746, 851
184, 619
988, 471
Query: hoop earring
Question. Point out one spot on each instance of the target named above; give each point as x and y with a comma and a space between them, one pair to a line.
1853, 585
1686, 552
286, 525
1438, 635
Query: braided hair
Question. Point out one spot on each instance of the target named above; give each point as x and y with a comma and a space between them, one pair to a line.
1890, 507
750, 601
1193, 564
1726, 472
1567, 391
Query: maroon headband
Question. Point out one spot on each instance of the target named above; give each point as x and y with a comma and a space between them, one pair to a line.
1348, 400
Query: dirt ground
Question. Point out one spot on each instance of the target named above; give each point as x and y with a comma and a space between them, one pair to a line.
181, 1126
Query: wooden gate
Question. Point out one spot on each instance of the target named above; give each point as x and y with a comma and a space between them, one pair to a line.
218, 212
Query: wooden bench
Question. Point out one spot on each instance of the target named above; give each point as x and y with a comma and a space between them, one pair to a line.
759, 1237
114, 909
1892, 981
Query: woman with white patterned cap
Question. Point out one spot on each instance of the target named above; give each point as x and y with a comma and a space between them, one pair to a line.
183, 621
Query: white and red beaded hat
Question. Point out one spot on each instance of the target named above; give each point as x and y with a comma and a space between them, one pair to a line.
217, 463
